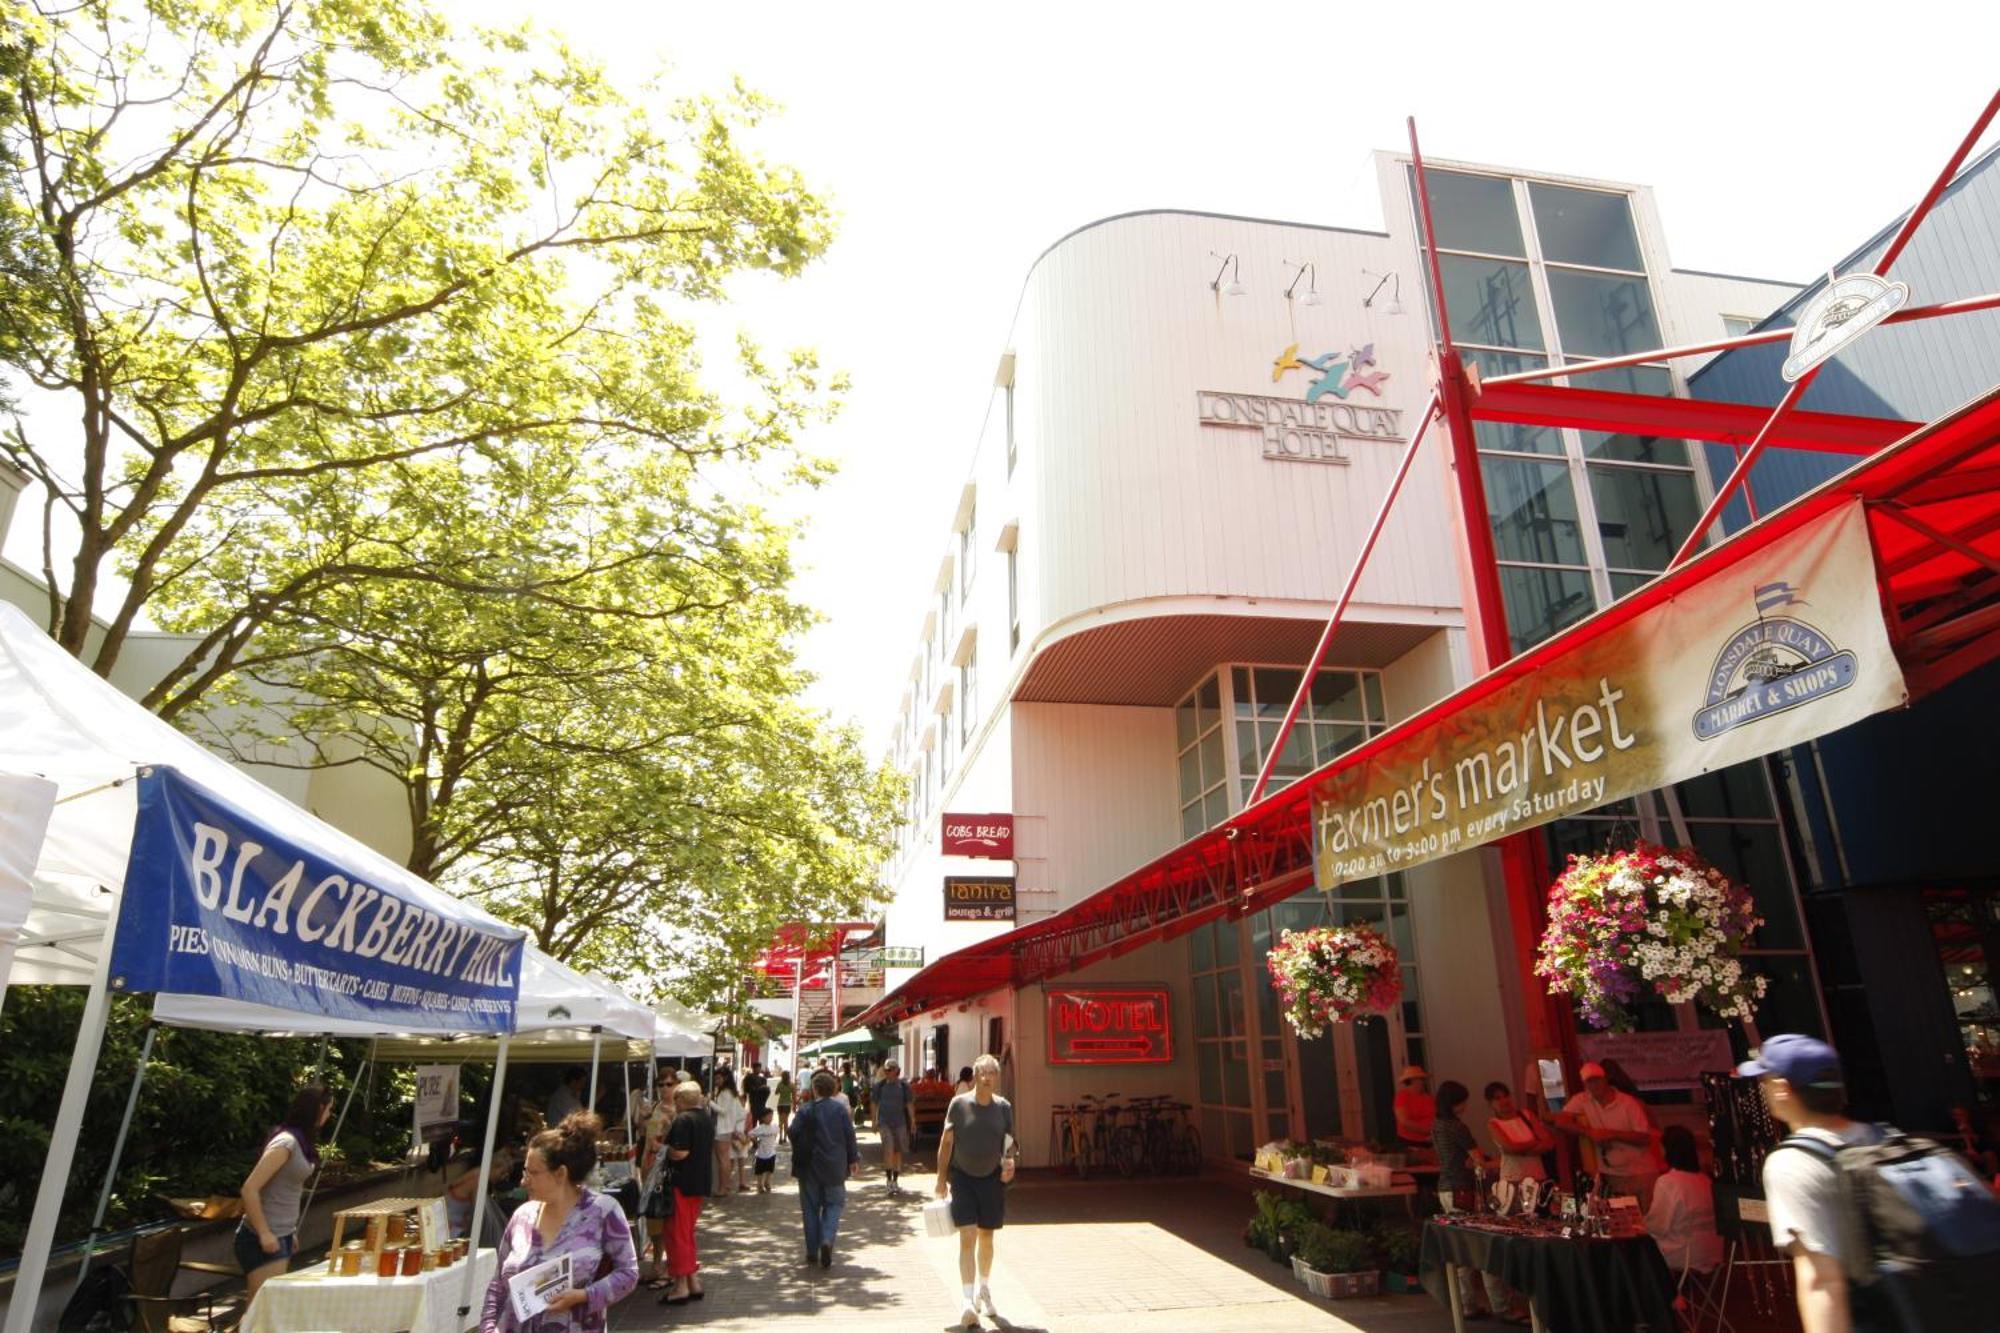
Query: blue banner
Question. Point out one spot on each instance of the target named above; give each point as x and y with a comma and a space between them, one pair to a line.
217, 904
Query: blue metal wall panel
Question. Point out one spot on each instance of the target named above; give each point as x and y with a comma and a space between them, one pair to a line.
1913, 371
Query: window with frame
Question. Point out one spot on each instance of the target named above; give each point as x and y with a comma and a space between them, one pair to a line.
1013, 600
1344, 708
1534, 270
1011, 445
968, 708
965, 537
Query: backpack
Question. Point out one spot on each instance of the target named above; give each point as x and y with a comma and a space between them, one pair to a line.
1922, 1230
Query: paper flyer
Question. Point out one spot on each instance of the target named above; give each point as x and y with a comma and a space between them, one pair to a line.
531, 1289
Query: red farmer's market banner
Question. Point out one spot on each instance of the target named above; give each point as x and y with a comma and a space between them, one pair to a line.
1787, 645
990, 837
1109, 1025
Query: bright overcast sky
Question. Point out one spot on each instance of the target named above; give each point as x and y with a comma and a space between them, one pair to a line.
958, 141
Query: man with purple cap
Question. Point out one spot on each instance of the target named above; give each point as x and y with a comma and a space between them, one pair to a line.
1803, 1086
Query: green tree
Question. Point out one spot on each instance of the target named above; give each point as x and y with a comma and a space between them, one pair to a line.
267, 253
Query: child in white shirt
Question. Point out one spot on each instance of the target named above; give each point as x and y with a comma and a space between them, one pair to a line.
764, 1147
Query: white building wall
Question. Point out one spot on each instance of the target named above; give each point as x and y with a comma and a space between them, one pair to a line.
1094, 797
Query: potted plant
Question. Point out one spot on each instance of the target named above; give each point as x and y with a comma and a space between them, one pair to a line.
1333, 974
1337, 1264
1398, 1248
1647, 919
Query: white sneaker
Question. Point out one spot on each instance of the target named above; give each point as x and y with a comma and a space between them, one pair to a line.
984, 1302
968, 1318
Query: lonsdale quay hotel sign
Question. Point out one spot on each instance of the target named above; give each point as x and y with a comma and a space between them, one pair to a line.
1312, 429
1787, 646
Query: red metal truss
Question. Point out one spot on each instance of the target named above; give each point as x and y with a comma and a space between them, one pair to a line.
1536, 404
801, 957
1934, 520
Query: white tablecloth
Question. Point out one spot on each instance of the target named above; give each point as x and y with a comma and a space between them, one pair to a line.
310, 1301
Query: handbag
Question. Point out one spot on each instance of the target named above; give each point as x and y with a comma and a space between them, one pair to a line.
937, 1218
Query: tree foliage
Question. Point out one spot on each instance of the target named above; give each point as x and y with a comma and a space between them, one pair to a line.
375, 376
262, 252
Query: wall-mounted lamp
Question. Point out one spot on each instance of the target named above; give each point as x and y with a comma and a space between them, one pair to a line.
1394, 305
1234, 268
1307, 274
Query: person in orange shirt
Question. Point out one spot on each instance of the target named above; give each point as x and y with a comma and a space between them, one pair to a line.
1416, 1109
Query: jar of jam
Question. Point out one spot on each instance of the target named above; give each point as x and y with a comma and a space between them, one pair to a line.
413, 1260
388, 1261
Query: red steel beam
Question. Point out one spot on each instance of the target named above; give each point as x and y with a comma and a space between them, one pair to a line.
1964, 305
1799, 386
1304, 691
1512, 400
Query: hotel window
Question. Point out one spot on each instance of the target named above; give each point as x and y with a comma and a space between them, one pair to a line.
968, 708
1534, 271
1008, 393
1344, 709
965, 553
1735, 326
1221, 1041
1204, 764
1013, 600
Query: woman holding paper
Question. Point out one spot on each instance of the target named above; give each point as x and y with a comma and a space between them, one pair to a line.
561, 1222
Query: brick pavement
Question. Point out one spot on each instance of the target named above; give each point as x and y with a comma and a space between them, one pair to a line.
1075, 1257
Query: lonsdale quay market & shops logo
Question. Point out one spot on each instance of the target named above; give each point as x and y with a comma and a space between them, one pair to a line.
1778, 663
1311, 430
1625, 704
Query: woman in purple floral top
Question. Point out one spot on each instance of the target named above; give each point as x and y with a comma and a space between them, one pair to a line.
562, 1217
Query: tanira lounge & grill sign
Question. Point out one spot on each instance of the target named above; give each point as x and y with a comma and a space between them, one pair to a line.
1788, 645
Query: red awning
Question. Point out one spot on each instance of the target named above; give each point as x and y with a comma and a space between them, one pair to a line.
1933, 503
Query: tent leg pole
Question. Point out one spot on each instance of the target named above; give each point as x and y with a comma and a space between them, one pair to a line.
334, 1137
485, 1178
117, 1152
28, 1278
596, 1046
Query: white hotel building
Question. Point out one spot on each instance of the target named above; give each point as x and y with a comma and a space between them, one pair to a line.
1153, 526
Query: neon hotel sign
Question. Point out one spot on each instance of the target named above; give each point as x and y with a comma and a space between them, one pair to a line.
1109, 1025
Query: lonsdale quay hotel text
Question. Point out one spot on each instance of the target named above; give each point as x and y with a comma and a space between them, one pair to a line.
1193, 424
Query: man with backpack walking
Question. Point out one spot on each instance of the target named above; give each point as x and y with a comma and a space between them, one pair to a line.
1886, 1231
824, 1155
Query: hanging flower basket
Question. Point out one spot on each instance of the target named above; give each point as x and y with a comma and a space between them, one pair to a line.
1648, 919
1331, 974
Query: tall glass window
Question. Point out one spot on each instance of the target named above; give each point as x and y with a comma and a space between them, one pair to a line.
1532, 271
968, 701
1344, 709
965, 549
1221, 1040
1013, 600
1204, 769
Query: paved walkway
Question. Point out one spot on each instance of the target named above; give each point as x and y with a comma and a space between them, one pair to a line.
1075, 1257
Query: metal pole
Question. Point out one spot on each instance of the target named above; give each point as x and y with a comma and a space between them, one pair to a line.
1962, 306
1923, 208
1304, 691
34, 1268
485, 1178
596, 1045
117, 1152
334, 1137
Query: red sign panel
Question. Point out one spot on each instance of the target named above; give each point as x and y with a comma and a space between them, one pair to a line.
987, 836
1109, 1025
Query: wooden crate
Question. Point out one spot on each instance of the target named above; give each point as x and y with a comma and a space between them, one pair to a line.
372, 1217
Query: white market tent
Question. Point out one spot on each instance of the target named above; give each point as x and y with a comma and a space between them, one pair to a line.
63, 724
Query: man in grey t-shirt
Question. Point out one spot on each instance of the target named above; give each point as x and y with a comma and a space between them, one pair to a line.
895, 1120
978, 1133
1805, 1090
